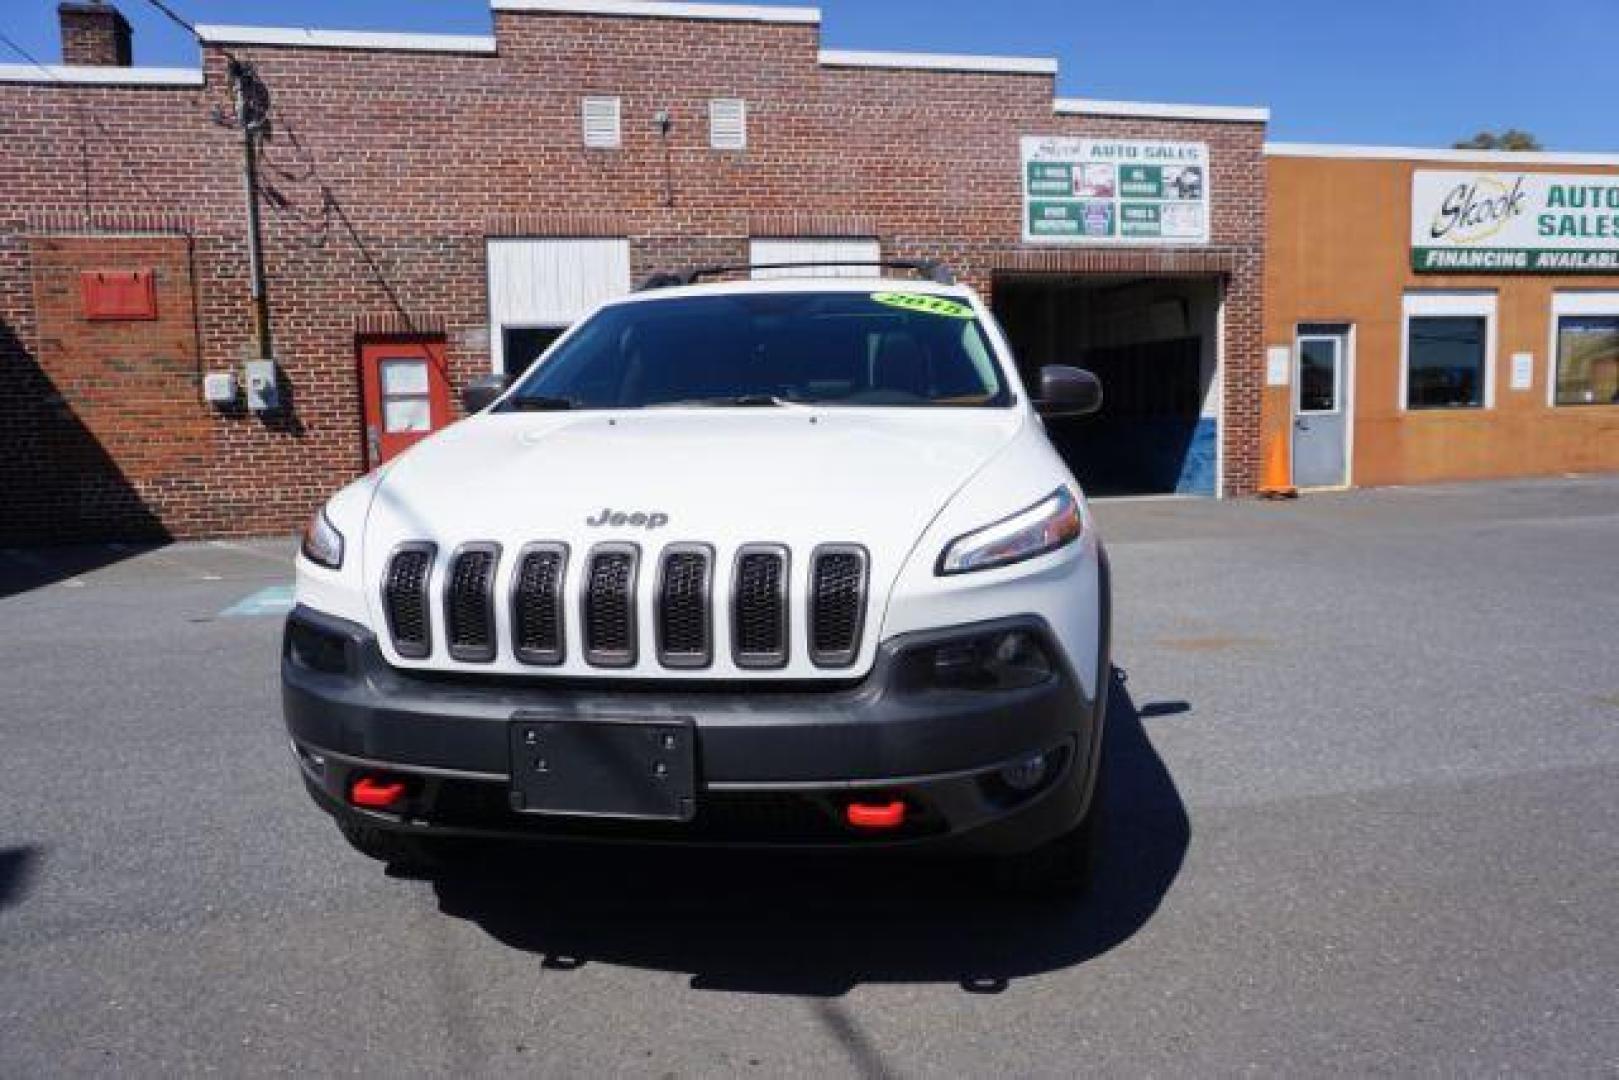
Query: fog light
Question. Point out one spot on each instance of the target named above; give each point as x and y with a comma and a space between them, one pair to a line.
315, 650
1025, 775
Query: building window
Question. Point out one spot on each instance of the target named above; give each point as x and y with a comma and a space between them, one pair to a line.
406, 397
522, 345
1585, 349
602, 123
728, 124
1446, 361
1449, 351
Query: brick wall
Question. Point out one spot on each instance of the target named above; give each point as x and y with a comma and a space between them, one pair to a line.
387, 171
104, 420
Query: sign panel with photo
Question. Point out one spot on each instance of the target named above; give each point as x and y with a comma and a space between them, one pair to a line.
1505, 222
1114, 191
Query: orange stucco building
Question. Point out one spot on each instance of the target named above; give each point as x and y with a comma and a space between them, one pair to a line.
1439, 315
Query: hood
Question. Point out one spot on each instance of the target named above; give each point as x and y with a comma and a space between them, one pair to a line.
722, 477
799, 478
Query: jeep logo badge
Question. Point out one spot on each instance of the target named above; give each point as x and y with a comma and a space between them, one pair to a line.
619, 519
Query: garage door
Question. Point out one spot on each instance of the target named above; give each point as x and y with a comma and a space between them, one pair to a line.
538, 288
816, 249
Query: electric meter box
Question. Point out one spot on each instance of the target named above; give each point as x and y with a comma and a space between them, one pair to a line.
262, 388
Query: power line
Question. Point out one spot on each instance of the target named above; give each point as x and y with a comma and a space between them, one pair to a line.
168, 13
86, 113
26, 55
189, 27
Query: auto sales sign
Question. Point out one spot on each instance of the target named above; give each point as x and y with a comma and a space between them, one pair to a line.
1114, 191
1505, 222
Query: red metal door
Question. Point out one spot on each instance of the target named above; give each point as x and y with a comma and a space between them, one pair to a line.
406, 388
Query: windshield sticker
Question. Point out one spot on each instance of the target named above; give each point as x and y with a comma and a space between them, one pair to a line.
924, 305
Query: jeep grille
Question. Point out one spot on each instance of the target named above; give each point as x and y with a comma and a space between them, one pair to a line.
759, 606
404, 599
609, 606
837, 605
689, 592
469, 603
684, 622
537, 636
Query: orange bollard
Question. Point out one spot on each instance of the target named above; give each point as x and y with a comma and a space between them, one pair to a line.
1277, 480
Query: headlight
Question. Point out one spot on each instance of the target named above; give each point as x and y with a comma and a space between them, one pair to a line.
323, 544
1046, 526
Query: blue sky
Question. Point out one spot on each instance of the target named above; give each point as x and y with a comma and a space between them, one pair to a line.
1418, 72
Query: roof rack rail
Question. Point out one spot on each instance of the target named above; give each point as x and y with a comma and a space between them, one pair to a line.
926, 269
662, 279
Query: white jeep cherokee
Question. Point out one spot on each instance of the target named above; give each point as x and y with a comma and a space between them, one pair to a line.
779, 562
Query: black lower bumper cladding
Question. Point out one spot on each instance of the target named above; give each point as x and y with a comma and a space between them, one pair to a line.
777, 764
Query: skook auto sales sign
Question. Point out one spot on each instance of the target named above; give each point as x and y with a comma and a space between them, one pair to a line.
1114, 191
1505, 222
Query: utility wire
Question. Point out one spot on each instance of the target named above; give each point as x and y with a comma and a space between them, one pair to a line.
189, 27
168, 12
119, 148
330, 205
331, 209
85, 113
24, 53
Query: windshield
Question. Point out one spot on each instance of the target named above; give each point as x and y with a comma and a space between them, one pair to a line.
750, 349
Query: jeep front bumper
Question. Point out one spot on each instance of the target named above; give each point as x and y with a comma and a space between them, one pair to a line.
776, 765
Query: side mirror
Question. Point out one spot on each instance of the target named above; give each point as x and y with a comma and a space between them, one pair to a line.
482, 392
1068, 391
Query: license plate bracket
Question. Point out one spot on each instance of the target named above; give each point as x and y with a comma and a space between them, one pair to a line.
628, 768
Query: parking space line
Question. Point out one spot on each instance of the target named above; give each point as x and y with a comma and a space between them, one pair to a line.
274, 600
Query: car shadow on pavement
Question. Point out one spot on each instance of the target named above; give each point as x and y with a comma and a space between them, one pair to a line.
822, 925
16, 873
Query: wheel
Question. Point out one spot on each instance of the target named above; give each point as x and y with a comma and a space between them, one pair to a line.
1060, 868
411, 854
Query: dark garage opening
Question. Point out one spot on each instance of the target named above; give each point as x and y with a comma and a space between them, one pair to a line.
1154, 343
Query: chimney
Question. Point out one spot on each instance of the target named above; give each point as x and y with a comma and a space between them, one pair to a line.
94, 33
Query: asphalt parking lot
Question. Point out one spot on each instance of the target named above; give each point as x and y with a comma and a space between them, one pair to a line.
1364, 817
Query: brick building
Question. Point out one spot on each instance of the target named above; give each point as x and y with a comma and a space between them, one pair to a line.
459, 198
1449, 314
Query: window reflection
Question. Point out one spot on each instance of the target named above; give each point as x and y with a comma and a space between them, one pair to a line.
1445, 367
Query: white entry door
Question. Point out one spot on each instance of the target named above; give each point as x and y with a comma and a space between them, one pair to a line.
1321, 407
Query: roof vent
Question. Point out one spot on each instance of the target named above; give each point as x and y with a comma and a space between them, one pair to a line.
602, 123
728, 124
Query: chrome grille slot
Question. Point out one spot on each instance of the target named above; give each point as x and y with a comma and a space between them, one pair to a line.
609, 605
759, 606
404, 599
685, 622
469, 603
837, 603
538, 637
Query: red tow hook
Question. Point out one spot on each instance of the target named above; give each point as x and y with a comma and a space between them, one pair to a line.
376, 794
876, 815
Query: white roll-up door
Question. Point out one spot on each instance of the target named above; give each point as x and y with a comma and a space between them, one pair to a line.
817, 249
550, 284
